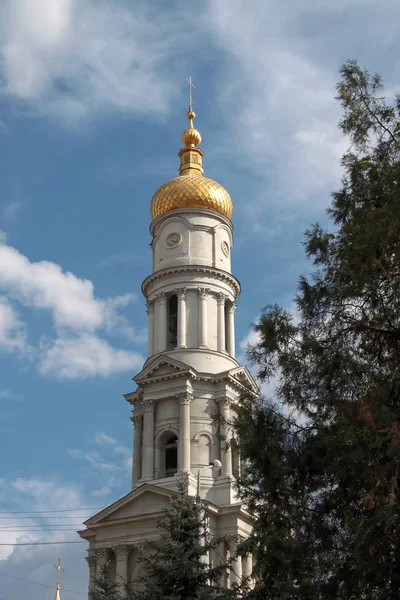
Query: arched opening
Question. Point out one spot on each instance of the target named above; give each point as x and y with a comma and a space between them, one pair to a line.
172, 322
171, 456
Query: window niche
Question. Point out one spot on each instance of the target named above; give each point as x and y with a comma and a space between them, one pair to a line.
170, 458
172, 322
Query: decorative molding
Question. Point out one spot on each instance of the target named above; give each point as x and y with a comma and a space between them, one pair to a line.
221, 298
203, 292
122, 551
232, 308
223, 402
162, 298
181, 293
102, 555
148, 405
214, 271
150, 306
185, 398
91, 561
137, 420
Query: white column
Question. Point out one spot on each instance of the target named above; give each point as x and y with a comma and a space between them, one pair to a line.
248, 568
236, 568
226, 452
150, 313
148, 439
137, 448
161, 308
91, 561
181, 293
203, 293
121, 554
231, 329
101, 560
221, 323
184, 430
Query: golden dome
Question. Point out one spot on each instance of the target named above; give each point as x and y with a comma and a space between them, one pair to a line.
191, 189
191, 137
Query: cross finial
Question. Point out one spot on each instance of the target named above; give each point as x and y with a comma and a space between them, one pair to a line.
59, 569
191, 85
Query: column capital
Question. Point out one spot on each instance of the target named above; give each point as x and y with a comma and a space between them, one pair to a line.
148, 405
221, 298
181, 293
137, 419
150, 305
91, 560
223, 402
121, 551
204, 292
232, 308
185, 398
102, 555
162, 297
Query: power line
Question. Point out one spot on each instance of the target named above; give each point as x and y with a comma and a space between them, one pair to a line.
44, 517
23, 512
41, 584
42, 543
37, 525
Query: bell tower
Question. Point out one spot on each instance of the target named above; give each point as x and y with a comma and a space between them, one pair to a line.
191, 383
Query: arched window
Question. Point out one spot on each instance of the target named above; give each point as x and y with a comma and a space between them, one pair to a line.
172, 322
171, 456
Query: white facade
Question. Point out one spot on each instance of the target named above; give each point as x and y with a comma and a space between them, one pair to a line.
186, 393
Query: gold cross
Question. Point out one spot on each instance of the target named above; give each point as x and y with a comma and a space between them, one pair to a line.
191, 85
59, 568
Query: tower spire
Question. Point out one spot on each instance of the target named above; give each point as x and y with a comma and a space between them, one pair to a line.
190, 155
59, 569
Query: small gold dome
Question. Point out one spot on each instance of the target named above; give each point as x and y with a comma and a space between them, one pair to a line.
191, 137
191, 191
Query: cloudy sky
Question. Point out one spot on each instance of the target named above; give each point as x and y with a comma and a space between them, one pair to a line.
92, 106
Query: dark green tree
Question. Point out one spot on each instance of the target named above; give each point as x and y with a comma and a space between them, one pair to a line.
176, 568
322, 472
104, 589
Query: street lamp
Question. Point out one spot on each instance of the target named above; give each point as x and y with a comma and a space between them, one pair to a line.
215, 465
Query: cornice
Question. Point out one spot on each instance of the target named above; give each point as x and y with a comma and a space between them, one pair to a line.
168, 271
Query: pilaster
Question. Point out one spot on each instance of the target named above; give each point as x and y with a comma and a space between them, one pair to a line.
148, 439
184, 429
137, 421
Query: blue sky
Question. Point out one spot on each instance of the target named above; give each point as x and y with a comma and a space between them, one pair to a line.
92, 107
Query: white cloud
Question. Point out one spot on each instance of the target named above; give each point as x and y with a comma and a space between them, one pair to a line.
79, 58
3, 237
86, 356
36, 562
284, 117
12, 330
110, 463
45, 285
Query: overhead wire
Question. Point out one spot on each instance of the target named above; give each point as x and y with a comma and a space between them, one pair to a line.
41, 584
23, 512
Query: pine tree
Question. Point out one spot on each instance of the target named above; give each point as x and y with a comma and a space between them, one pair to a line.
176, 567
104, 589
322, 475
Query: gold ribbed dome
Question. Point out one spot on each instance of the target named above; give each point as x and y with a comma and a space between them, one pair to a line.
191, 189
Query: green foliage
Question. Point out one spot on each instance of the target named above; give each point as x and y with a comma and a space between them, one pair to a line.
103, 589
175, 569
323, 474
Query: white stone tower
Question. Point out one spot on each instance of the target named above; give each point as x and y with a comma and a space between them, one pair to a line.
191, 382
